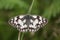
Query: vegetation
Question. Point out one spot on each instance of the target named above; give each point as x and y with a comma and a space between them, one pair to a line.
49, 9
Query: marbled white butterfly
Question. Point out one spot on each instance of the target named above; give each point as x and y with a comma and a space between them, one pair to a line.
25, 23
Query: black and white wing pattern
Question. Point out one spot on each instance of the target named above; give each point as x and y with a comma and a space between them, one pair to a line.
31, 23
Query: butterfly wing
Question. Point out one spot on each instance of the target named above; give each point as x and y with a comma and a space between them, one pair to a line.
18, 22
36, 22
26, 23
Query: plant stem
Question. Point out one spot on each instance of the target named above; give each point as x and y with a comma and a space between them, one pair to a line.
28, 13
31, 7
19, 35
22, 36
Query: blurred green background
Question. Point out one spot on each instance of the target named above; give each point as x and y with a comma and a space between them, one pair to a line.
49, 9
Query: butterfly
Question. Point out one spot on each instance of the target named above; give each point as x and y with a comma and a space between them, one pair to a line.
31, 23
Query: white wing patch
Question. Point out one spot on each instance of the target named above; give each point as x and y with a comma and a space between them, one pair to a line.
34, 16
21, 16
34, 23
30, 23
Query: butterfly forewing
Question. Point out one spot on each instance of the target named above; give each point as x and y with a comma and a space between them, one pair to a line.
26, 23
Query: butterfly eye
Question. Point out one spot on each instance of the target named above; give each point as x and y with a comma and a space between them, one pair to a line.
30, 23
